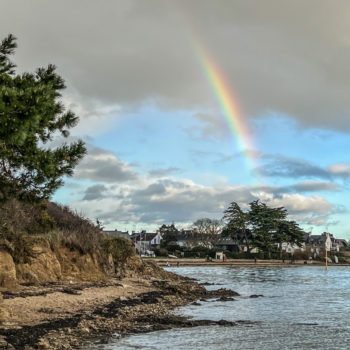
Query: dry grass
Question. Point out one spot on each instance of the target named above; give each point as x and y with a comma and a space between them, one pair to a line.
75, 231
22, 225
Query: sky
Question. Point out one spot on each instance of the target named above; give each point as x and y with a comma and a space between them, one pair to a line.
186, 106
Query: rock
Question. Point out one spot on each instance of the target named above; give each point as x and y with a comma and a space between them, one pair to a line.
43, 344
4, 314
3, 343
256, 296
84, 330
196, 304
6, 346
223, 298
225, 323
44, 268
8, 277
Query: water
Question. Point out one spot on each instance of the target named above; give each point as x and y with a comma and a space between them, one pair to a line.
302, 308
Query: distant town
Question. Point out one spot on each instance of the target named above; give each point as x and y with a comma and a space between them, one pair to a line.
192, 243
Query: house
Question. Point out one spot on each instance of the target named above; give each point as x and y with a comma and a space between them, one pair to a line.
220, 256
228, 243
188, 239
292, 247
318, 240
146, 242
116, 233
327, 239
340, 244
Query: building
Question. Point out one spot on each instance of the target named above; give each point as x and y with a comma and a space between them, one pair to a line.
320, 241
228, 243
116, 233
146, 242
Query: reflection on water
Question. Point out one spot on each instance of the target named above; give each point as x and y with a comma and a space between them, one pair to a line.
302, 308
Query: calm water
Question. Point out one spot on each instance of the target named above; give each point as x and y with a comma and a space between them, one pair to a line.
302, 308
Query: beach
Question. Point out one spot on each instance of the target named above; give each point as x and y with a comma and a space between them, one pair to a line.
68, 315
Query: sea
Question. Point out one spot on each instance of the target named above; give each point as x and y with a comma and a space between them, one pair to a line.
306, 307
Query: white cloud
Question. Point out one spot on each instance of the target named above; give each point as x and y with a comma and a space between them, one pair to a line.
155, 201
340, 169
95, 117
104, 166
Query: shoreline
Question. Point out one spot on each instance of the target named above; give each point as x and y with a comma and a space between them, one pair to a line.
68, 315
75, 315
183, 262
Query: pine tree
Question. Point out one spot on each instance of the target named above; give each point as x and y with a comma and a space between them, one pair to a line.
237, 224
30, 115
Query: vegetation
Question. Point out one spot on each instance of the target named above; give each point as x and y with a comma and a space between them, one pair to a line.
31, 114
237, 222
261, 227
169, 233
120, 249
207, 231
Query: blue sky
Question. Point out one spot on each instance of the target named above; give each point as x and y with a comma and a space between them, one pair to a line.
160, 150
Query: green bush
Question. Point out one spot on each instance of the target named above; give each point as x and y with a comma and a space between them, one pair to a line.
161, 252
120, 248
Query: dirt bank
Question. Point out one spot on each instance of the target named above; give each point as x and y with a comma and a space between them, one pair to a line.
68, 315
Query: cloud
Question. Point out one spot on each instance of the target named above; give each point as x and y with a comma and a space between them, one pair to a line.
94, 192
287, 167
314, 186
95, 117
104, 166
154, 202
282, 166
262, 47
163, 172
211, 126
340, 169
299, 204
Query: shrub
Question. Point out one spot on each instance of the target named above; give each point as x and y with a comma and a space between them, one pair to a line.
161, 252
77, 232
120, 248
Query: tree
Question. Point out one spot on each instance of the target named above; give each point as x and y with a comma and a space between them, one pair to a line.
237, 223
169, 234
288, 231
30, 115
261, 227
207, 231
265, 221
207, 226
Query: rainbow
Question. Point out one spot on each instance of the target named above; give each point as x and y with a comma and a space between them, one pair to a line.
223, 93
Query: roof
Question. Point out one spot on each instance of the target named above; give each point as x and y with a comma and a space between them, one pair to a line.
341, 242
226, 241
143, 236
117, 233
185, 235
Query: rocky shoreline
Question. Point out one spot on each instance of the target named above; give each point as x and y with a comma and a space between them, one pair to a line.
73, 315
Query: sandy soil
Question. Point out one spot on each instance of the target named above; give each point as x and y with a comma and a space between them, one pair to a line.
67, 299
70, 315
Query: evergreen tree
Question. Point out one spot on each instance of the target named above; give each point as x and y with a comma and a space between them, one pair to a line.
265, 221
30, 115
237, 224
288, 231
261, 227
169, 234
